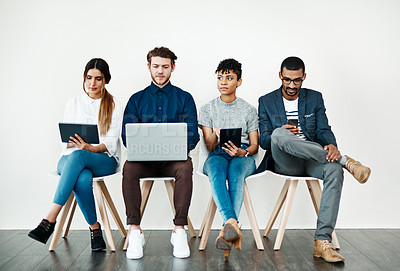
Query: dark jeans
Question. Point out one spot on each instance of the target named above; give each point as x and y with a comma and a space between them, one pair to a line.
182, 171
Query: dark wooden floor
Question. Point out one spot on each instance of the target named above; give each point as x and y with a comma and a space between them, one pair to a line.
363, 250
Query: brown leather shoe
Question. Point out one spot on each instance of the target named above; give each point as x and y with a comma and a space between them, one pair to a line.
238, 243
221, 243
231, 230
360, 173
323, 249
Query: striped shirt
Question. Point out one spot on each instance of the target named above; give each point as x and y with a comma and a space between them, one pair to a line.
291, 109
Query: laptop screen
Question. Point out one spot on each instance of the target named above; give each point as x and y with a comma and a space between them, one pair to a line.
156, 141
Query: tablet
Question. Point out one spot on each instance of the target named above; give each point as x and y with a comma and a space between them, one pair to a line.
88, 132
232, 134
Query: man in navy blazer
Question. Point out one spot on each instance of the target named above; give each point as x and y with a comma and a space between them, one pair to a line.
294, 130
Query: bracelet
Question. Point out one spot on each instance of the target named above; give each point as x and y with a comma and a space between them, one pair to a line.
247, 153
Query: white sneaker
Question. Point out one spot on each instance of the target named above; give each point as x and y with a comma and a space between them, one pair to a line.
180, 243
135, 245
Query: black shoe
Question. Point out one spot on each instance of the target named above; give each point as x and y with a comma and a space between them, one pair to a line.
43, 231
97, 241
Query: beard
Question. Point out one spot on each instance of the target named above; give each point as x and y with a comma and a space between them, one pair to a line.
160, 82
296, 91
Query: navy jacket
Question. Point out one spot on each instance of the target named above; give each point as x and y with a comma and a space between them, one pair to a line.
312, 119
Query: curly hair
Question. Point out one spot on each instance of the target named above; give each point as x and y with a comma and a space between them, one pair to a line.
230, 64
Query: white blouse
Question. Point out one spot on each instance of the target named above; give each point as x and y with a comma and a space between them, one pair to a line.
85, 110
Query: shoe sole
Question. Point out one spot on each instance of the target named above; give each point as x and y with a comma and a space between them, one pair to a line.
366, 179
31, 235
182, 256
320, 256
230, 233
98, 249
134, 258
222, 244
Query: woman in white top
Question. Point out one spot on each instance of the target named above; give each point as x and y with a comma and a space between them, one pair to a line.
81, 161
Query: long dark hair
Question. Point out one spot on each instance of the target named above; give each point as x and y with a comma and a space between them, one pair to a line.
107, 102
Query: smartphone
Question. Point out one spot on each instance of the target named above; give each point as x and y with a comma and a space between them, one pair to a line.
294, 122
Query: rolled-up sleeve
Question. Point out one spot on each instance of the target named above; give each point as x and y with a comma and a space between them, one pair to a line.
190, 117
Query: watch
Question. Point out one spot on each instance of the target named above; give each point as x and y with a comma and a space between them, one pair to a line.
247, 153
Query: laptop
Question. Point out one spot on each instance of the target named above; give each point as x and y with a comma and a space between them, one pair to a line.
88, 132
156, 141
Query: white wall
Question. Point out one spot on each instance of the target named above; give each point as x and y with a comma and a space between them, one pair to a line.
351, 51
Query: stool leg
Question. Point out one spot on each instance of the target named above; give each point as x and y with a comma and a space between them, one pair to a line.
208, 220
285, 215
277, 208
315, 190
69, 219
252, 218
206, 216
190, 228
146, 189
103, 214
61, 222
112, 208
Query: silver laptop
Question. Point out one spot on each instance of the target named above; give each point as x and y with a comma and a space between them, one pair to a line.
156, 141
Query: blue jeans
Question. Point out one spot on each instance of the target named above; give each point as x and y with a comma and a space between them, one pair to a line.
220, 167
77, 171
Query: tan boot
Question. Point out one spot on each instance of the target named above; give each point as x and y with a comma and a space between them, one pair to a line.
226, 253
323, 249
221, 243
238, 242
360, 173
231, 230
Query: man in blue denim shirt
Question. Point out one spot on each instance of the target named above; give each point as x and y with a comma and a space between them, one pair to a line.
295, 132
160, 102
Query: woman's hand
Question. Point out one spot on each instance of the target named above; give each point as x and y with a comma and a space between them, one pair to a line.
233, 151
78, 142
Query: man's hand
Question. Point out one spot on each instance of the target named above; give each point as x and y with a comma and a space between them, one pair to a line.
333, 153
295, 130
233, 151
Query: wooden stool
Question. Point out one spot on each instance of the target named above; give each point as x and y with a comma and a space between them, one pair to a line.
147, 185
287, 194
101, 194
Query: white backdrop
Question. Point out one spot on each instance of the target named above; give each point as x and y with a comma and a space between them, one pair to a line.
351, 52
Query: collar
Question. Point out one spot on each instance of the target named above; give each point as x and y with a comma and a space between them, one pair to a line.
89, 100
221, 102
165, 89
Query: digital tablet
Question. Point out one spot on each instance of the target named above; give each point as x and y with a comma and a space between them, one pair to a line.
230, 134
87, 132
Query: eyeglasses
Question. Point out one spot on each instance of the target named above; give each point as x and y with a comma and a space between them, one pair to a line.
296, 81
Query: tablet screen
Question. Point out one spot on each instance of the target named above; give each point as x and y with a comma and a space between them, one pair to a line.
230, 134
87, 132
